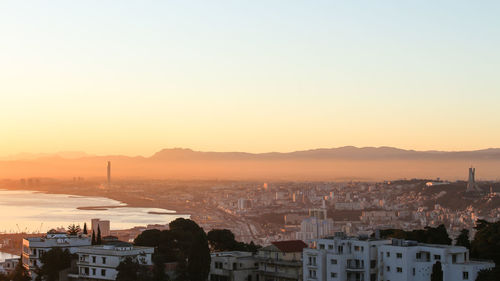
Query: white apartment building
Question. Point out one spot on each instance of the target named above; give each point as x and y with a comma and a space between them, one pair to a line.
314, 228
34, 247
342, 258
99, 262
411, 261
233, 266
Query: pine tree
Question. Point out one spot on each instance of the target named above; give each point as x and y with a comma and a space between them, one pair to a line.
437, 272
85, 228
98, 239
93, 238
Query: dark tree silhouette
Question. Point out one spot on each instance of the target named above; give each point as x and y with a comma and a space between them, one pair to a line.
93, 238
185, 243
98, 240
54, 261
20, 273
85, 228
437, 272
463, 239
73, 229
430, 235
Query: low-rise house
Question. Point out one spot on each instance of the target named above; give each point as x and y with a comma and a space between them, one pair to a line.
35, 247
99, 262
8, 265
233, 266
281, 261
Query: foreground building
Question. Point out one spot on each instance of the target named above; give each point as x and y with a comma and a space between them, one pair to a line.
99, 262
342, 258
408, 260
281, 261
34, 247
233, 266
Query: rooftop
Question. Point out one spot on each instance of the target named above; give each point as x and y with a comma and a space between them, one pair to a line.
290, 246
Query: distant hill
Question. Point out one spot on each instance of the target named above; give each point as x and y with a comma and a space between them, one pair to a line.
343, 163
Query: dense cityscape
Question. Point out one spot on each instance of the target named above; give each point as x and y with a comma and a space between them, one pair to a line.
307, 222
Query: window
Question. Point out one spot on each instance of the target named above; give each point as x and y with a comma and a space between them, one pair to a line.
399, 255
454, 258
356, 248
399, 269
437, 257
93, 259
340, 249
312, 273
322, 246
465, 275
312, 260
388, 254
330, 247
103, 272
332, 261
103, 260
414, 272
362, 248
419, 256
93, 271
373, 263
333, 275
388, 269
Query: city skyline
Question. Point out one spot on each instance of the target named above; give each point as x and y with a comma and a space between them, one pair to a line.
254, 77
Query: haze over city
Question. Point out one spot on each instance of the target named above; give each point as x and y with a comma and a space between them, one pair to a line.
249, 140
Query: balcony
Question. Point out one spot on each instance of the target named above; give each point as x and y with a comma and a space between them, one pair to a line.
355, 266
281, 262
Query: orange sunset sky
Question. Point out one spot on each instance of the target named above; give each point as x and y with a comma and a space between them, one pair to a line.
256, 76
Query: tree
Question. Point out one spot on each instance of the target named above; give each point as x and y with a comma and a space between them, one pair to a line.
85, 228
185, 243
486, 243
489, 274
73, 229
437, 272
54, 261
430, 235
221, 240
93, 238
198, 265
98, 240
130, 270
463, 239
20, 273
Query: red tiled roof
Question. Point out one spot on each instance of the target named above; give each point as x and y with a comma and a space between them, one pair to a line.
290, 246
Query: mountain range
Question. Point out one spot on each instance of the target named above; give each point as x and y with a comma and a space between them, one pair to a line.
343, 163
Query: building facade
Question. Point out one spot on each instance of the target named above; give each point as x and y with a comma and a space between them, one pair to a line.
99, 262
408, 260
281, 261
342, 258
233, 266
35, 247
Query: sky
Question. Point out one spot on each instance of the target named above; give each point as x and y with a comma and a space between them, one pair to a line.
133, 77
